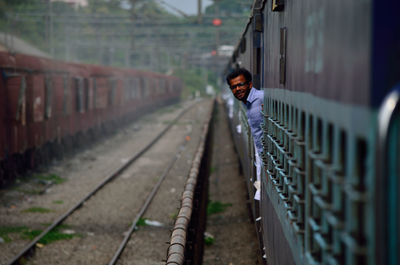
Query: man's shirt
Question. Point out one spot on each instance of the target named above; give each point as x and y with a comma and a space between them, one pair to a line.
255, 118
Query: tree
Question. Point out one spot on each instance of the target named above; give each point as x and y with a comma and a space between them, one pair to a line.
229, 7
7, 5
105, 7
148, 9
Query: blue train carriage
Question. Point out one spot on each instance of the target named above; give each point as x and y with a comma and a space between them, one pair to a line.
331, 159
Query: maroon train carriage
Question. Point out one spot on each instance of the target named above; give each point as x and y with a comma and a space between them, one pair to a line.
47, 106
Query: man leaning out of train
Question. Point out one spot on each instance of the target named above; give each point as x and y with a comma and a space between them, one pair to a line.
240, 82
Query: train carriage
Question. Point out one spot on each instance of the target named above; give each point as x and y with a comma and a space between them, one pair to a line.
325, 68
47, 105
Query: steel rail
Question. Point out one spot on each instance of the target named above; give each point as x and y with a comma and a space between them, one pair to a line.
196, 161
32, 244
144, 207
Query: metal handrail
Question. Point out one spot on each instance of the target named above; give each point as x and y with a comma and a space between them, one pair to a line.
388, 112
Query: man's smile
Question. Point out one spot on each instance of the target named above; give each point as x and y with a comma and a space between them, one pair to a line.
240, 94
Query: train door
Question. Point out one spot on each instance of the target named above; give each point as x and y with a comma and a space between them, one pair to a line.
393, 185
388, 181
15, 85
394, 188
257, 52
112, 92
35, 109
49, 109
80, 95
87, 92
67, 106
57, 106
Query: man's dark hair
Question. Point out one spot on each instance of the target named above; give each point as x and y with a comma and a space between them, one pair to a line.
235, 73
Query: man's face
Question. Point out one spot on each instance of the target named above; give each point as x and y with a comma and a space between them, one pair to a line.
240, 87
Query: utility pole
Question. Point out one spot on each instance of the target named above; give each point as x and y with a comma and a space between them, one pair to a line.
133, 18
217, 24
199, 12
49, 27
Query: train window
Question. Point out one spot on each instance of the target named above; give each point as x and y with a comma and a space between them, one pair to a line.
48, 97
132, 88
78, 84
361, 163
111, 93
136, 88
168, 86
318, 136
243, 45
126, 90
310, 132
161, 86
147, 87
258, 22
282, 59
94, 92
35, 86
256, 59
86, 93
144, 87
329, 144
21, 107
277, 5
16, 93
302, 134
66, 97
165, 87
343, 152
131, 92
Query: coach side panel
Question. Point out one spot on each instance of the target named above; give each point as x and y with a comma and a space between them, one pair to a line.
320, 47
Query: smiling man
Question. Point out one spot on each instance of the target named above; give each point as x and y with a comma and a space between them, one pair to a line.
242, 88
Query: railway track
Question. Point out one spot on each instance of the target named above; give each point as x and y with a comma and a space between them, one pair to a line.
24, 255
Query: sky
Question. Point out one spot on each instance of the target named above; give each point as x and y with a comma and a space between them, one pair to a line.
188, 6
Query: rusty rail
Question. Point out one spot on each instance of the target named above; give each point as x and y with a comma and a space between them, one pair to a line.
176, 249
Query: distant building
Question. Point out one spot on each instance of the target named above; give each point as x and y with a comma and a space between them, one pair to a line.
225, 50
210, 90
74, 3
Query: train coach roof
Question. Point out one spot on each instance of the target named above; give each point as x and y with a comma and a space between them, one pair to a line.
30, 63
15, 62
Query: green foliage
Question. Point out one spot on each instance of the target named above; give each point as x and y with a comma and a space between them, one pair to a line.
53, 235
104, 7
209, 240
7, 5
29, 191
150, 9
141, 222
173, 216
52, 178
37, 210
214, 207
194, 79
126, 33
228, 7
5, 230
58, 202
